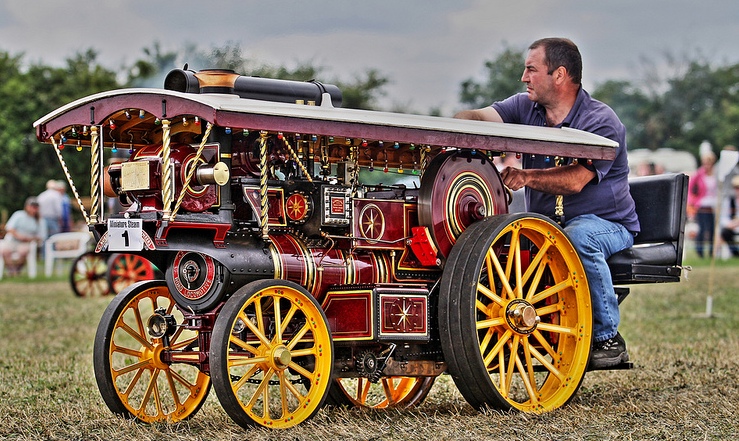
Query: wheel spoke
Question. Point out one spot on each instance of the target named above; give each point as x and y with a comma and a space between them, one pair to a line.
513, 348
552, 290
499, 345
556, 328
258, 332
514, 263
530, 388
545, 344
262, 391
136, 335
277, 339
488, 292
534, 278
389, 392
493, 259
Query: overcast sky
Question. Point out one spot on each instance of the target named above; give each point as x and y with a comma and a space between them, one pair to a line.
426, 47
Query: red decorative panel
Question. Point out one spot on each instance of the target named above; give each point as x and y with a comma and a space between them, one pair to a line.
349, 314
380, 223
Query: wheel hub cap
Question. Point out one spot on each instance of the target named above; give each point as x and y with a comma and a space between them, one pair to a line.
281, 357
521, 316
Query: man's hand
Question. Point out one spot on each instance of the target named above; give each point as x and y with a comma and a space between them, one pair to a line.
568, 179
514, 178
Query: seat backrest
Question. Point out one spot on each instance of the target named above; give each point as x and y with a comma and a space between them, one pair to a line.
69, 244
660, 204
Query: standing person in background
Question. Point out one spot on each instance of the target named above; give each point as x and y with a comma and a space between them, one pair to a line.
66, 218
600, 213
50, 206
24, 227
702, 198
730, 218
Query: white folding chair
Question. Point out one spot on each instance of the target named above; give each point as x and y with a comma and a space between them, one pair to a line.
31, 261
68, 245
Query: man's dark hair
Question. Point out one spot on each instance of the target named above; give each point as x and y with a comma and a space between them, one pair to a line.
561, 52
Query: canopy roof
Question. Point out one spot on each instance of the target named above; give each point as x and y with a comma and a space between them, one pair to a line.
127, 115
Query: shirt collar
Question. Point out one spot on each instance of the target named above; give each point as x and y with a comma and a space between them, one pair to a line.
581, 95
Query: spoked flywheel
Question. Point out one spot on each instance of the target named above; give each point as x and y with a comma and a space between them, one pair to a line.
271, 355
458, 189
515, 314
144, 360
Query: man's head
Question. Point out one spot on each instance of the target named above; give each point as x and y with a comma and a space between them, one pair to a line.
552, 71
31, 206
561, 52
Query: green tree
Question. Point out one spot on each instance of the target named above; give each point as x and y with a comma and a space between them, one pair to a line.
25, 96
502, 79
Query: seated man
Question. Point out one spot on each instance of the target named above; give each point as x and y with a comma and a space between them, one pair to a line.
600, 215
23, 227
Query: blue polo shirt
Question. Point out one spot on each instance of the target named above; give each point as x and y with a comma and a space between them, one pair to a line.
606, 196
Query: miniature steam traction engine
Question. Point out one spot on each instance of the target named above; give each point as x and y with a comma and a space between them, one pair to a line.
312, 253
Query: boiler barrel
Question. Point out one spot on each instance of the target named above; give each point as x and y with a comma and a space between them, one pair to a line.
265, 89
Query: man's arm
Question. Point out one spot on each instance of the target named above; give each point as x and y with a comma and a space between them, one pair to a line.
568, 179
484, 114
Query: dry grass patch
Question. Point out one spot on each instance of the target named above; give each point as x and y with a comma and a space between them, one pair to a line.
683, 386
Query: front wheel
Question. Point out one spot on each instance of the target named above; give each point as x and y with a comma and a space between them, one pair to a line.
271, 355
515, 314
140, 376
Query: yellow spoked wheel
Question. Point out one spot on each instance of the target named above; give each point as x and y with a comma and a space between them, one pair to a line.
148, 378
515, 314
388, 392
271, 355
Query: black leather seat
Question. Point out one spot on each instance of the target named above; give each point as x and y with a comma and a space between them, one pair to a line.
658, 249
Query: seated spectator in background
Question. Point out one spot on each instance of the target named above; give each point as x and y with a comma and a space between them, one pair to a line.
23, 227
730, 218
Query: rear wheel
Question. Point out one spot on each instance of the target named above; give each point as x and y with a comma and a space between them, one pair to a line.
140, 376
127, 269
515, 314
271, 355
87, 276
388, 392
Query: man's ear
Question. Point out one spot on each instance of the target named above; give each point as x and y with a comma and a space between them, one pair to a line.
560, 75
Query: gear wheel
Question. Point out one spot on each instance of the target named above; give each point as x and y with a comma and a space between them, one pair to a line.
368, 366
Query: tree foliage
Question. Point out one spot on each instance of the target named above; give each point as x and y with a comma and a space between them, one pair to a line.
25, 96
28, 93
696, 102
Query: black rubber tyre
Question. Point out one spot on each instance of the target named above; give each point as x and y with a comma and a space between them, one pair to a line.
131, 375
515, 318
271, 355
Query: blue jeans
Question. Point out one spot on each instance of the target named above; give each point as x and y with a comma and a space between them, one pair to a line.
596, 239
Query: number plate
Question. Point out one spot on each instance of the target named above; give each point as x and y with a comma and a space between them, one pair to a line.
125, 235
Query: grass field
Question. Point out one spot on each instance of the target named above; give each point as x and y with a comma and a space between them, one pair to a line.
683, 387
